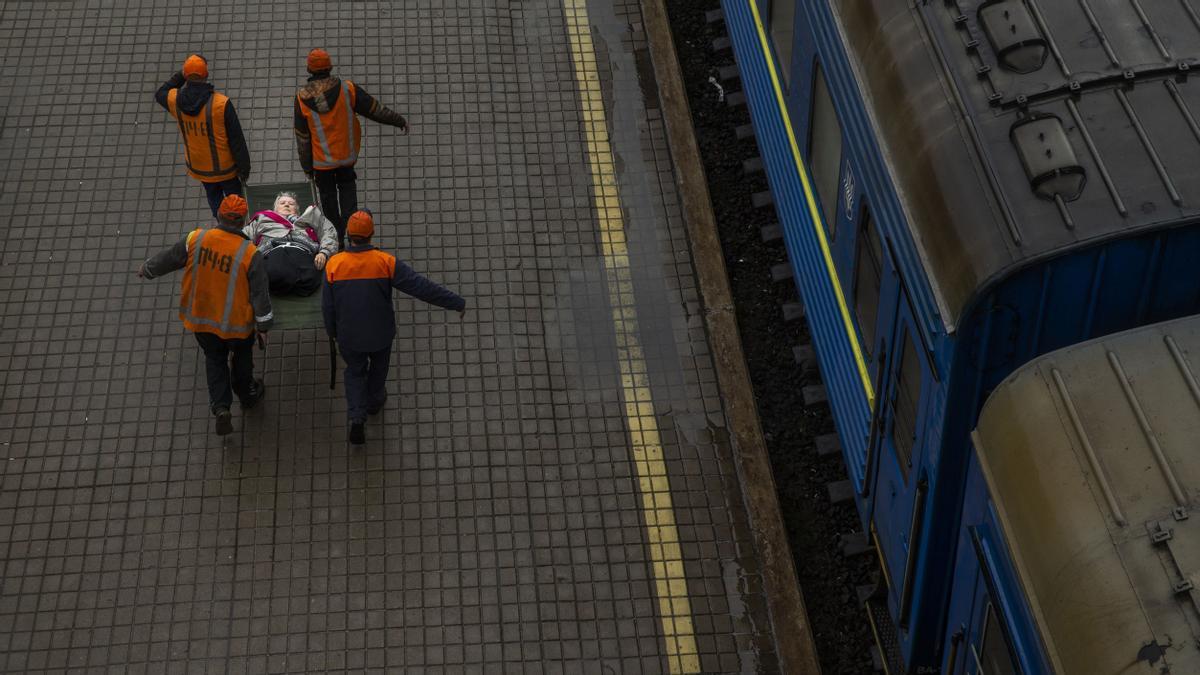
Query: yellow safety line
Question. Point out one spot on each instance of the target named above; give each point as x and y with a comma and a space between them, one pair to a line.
851, 333
666, 557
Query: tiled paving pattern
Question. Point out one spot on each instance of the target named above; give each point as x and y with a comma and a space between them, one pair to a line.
493, 523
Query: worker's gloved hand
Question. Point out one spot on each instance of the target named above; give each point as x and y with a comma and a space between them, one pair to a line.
308, 174
319, 261
245, 178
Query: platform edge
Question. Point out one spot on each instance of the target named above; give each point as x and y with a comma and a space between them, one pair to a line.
785, 603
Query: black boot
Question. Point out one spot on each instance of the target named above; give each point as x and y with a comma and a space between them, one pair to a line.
256, 394
358, 433
224, 421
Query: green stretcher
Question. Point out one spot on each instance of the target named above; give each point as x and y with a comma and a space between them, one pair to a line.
290, 311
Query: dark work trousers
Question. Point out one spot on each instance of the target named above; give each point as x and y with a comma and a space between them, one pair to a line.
366, 381
218, 191
216, 361
339, 197
291, 271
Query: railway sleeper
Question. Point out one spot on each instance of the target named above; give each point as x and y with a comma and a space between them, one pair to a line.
714, 16
729, 73
760, 199
781, 272
805, 356
840, 491
854, 544
771, 233
736, 99
828, 444
744, 131
752, 166
721, 44
793, 311
815, 394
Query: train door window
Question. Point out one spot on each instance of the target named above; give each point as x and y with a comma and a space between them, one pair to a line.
825, 151
908, 395
994, 656
782, 16
867, 273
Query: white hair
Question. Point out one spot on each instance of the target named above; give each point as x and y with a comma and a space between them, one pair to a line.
281, 195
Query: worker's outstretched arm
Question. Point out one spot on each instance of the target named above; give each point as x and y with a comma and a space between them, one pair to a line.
237, 142
260, 293
408, 281
174, 82
372, 109
165, 261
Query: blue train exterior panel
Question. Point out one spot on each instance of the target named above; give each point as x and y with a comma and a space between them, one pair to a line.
809, 255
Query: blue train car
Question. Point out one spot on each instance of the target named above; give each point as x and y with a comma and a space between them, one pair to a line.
963, 186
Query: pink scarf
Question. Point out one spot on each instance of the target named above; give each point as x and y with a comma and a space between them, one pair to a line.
312, 234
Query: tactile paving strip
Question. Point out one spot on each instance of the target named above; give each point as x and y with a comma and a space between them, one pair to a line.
494, 520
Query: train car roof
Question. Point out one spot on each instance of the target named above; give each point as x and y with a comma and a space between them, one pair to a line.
1090, 457
997, 167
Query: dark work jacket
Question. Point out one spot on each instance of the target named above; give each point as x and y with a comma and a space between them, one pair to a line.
191, 99
357, 297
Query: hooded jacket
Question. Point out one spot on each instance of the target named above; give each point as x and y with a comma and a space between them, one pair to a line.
320, 94
191, 99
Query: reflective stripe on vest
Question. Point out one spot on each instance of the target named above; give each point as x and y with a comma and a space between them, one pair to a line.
327, 160
207, 321
218, 170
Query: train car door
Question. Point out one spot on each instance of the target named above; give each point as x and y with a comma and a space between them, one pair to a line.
987, 650
874, 291
989, 627
899, 487
996, 639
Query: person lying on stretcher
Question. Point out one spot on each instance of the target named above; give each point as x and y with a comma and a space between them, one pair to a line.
295, 246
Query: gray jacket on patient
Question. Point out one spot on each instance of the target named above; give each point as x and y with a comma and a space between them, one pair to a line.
269, 231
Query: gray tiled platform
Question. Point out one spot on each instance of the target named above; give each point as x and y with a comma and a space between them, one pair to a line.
493, 521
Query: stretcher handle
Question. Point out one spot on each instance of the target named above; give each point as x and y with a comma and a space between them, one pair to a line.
332, 363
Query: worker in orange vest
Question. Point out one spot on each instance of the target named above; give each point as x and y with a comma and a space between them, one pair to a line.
328, 135
213, 145
225, 298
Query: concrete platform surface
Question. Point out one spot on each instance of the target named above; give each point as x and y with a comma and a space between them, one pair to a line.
550, 488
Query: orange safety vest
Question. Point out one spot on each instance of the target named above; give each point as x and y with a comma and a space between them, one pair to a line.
205, 144
336, 135
357, 265
216, 284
